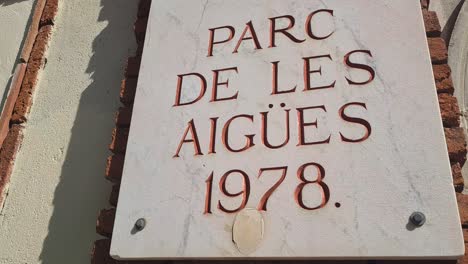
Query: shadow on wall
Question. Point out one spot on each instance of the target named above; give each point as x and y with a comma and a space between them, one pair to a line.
10, 2
82, 191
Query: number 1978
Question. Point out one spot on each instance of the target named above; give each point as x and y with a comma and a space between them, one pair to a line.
262, 205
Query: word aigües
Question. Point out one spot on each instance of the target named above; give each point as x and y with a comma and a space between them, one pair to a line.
311, 69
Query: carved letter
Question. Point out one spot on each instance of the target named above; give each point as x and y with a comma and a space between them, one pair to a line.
275, 81
196, 144
216, 83
214, 122
303, 124
265, 131
249, 27
249, 142
179, 88
308, 24
284, 31
307, 73
212, 42
357, 121
359, 66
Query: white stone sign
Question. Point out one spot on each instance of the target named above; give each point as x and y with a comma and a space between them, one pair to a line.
286, 129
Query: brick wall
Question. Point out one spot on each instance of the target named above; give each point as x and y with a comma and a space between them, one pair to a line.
18, 104
450, 112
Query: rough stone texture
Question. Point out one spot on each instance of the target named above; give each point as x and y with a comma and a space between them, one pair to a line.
438, 50
119, 140
114, 167
50, 12
458, 180
36, 62
456, 144
8, 152
123, 117
443, 78
449, 110
128, 90
105, 222
133, 66
431, 23
114, 197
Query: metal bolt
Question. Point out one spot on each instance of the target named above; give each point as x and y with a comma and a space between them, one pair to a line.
418, 219
140, 224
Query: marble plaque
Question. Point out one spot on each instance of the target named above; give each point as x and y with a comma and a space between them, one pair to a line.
300, 129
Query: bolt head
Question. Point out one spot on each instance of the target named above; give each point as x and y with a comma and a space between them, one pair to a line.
140, 224
418, 219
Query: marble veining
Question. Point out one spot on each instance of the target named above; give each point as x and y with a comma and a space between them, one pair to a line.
314, 121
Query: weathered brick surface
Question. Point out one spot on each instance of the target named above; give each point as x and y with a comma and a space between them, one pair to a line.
144, 8
133, 66
8, 152
456, 144
124, 116
114, 197
438, 50
443, 78
100, 252
6, 113
431, 23
33, 30
128, 91
424, 4
119, 140
50, 12
463, 208
114, 167
36, 62
140, 28
105, 222
449, 110
458, 180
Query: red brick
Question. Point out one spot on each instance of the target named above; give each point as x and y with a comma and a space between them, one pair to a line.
144, 8
133, 66
105, 222
140, 47
456, 144
114, 197
463, 208
114, 167
449, 110
36, 62
458, 181
443, 79
119, 140
424, 4
431, 23
140, 28
124, 117
50, 12
415, 262
5, 115
128, 91
438, 50
8, 152
100, 252
33, 30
